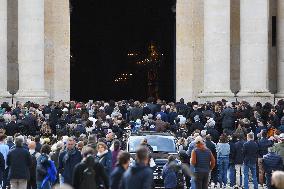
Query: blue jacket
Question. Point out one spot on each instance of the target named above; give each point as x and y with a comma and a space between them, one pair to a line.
169, 176
138, 177
67, 163
263, 145
19, 161
250, 150
272, 162
116, 176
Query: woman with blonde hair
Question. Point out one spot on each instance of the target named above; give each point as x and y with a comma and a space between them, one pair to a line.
104, 156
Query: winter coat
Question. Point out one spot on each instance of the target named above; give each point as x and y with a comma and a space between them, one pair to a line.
67, 162
169, 176
272, 162
19, 161
250, 150
139, 177
228, 118
263, 145
11, 128
106, 160
116, 176
100, 175
239, 155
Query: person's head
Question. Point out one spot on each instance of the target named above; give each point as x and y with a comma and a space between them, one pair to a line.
101, 147
32, 145
277, 179
70, 143
37, 138
2, 138
171, 158
144, 141
250, 136
87, 151
123, 159
272, 149
80, 145
199, 140
142, 155
45, 149
223, 139
9, 139
19, 140
92, 139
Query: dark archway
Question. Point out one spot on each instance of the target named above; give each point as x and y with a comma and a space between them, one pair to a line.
104, 32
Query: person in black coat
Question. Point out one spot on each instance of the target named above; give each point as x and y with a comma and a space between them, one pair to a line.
12, 127
31, 124
228, 118
19, 161
123, 161
89, 161
238, 160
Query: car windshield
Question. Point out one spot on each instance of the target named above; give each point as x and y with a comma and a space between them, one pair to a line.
158, 143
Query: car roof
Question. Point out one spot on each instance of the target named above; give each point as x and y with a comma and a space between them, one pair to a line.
145, 133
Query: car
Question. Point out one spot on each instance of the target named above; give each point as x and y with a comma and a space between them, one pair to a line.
163, 145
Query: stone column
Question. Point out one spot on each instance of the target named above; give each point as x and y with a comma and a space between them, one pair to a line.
254, 51
31, 51
216, 50
3, 50
280, 48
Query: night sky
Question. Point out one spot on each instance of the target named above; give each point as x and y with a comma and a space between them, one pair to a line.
103, 32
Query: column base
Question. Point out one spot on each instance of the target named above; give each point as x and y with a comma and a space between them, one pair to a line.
253, 97
216, 96
40, 97
279, 96
5, 96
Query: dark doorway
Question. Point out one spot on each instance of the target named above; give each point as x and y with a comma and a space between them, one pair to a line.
105, 34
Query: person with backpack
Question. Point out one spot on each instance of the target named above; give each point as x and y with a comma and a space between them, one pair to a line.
45, 169
89, 173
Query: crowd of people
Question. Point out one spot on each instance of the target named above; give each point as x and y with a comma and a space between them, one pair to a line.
83, 145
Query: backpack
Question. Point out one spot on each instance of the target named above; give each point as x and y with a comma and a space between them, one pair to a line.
89, 174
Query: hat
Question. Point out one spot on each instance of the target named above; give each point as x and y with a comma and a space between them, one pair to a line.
159, 116
203, 133
211, 122
281, 136
198, 139
65, 110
